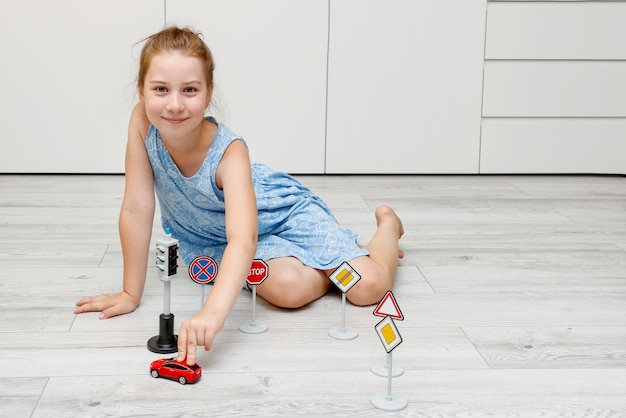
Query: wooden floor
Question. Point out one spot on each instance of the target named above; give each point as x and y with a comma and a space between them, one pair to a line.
513, 291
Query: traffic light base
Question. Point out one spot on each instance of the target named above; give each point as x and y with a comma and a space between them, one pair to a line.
166, 342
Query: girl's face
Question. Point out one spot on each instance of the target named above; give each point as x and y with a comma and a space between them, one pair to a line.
175, 94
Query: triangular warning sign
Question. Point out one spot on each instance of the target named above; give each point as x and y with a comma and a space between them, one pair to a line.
389, 307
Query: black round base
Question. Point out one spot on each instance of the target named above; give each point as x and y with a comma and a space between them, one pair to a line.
163, 348
166, 342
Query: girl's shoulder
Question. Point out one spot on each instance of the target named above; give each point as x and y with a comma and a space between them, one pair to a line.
139, 122
224, 135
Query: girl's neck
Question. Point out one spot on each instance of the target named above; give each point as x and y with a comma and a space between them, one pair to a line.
190, 152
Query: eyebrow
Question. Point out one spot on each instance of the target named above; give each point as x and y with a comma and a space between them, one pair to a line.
157, 81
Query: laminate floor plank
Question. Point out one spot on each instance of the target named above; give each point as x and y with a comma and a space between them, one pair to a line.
482, 393
551, 347
512, 290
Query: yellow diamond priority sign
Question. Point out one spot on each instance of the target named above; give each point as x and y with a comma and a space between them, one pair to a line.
388, 334
344, 277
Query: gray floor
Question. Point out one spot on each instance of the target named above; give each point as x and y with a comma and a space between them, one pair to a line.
513, 291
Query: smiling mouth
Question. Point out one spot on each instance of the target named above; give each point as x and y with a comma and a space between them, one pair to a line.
175, 121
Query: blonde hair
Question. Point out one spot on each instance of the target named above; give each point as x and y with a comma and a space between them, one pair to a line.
171, 39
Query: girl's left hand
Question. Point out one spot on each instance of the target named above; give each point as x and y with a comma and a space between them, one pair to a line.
199, 330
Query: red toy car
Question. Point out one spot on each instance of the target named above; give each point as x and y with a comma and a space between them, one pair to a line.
172, 369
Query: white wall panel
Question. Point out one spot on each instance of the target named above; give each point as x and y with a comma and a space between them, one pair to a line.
556, 30
404, 82
536, 88
270, 73
68, 82
553, 146
404, 86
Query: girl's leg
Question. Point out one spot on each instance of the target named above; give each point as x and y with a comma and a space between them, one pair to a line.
379, 268
291, 284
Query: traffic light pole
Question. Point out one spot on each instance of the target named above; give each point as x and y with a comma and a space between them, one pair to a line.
167, 256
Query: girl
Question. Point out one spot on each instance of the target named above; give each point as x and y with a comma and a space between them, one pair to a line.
217, 203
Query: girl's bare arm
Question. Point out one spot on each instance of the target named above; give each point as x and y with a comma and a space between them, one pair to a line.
135, 226
234, 177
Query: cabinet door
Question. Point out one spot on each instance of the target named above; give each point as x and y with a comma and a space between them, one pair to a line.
404, 86
68, 71
270, 76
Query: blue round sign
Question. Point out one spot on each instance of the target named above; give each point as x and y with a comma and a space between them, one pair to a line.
203, 269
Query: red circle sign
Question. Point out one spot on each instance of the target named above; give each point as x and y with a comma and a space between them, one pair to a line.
203, 269
258, 272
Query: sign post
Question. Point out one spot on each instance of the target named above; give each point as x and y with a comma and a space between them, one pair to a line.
202, 270
388, 307
344, 278
258, 273
390, 337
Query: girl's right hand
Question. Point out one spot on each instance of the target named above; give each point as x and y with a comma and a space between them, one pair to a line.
108, 304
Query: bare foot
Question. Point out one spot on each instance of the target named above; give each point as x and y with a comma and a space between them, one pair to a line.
384, 213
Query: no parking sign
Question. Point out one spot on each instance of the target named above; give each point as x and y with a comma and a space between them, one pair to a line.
203, 269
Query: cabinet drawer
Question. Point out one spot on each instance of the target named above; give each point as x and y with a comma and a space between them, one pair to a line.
553, 146
549, 88
557, 30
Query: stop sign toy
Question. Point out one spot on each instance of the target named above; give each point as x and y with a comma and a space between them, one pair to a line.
258, 272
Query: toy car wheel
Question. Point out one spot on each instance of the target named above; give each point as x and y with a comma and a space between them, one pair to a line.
154, 373
182, 380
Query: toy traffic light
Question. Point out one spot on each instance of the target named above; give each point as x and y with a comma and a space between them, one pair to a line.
167, 255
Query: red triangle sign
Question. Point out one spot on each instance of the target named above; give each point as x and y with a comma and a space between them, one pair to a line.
389, 307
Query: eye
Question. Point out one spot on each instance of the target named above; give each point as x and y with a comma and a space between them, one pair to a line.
190, 90
160, 89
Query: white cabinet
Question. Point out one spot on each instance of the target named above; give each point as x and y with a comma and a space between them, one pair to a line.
270, 74
68, 82
553, 98
404, 86
332, 86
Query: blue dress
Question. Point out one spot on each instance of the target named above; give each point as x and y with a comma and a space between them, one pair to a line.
292, 221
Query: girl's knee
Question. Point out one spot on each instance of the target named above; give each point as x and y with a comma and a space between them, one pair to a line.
367, 292
290, 288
